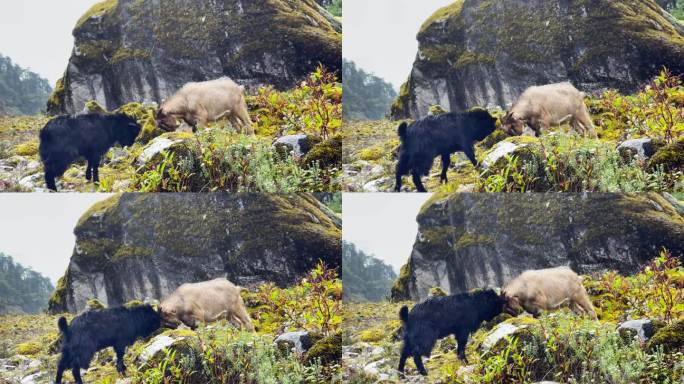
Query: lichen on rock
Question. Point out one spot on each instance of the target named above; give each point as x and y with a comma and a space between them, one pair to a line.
134, 246
488, 52
143, 50
470, 241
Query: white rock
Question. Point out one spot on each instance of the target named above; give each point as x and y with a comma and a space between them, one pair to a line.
160, 342
502, 330
377, 351
500, 150
374, 367
294, 338
31, 379
156, 146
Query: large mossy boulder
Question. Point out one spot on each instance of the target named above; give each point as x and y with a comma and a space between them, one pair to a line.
468, 241
133, 246
487, 53
145, 50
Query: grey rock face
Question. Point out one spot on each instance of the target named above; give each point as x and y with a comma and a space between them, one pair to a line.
475, 54
146, 50
468, 241
136, 246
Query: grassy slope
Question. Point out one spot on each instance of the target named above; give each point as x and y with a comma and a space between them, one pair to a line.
376, 142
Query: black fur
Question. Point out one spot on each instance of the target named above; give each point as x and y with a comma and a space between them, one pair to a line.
65, 139
440, 135
99, 329
438, 317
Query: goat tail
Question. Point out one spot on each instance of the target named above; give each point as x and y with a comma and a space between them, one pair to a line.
403, 129
403, 314
63, 326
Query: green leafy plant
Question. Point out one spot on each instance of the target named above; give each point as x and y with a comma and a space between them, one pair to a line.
313, 304
314, 107
657, 111
656, 292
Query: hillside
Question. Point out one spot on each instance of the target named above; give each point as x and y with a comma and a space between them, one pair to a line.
640, 148
366, 96
22, 290
22, 92
558, 347
364, 277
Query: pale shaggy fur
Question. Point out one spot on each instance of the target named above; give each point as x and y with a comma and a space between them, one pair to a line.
208, 101
205, 302
547, 289
547, 105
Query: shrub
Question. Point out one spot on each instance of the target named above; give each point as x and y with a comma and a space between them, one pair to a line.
314, 107
656, 111
233, 358
656, 292
566, 348
564, 163
226, 162
313, 304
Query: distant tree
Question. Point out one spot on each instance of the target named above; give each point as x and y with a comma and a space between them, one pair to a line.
667, 4
22, 92
364, 277
22, 290
333, 6
366, 96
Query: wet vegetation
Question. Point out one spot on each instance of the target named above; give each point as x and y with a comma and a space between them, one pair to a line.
640, 148
215, 352
559, 346
215, 158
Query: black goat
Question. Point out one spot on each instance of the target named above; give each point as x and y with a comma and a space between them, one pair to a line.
441, 135
439, 317
95, 330
65, 139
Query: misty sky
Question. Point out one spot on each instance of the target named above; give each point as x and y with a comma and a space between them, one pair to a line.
37, 229
36, 34
380, 35
383, 224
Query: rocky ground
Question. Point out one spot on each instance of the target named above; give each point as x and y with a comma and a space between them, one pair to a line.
557, 347
370, 150
369, 161
286, 349
214, 158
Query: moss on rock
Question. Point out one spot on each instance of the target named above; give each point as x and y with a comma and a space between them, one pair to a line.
327, 154
55, 102
326, 351
58, 300
400, 290
670, 338
98, 10
29, 148
669, 157
94, 304
28, 349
